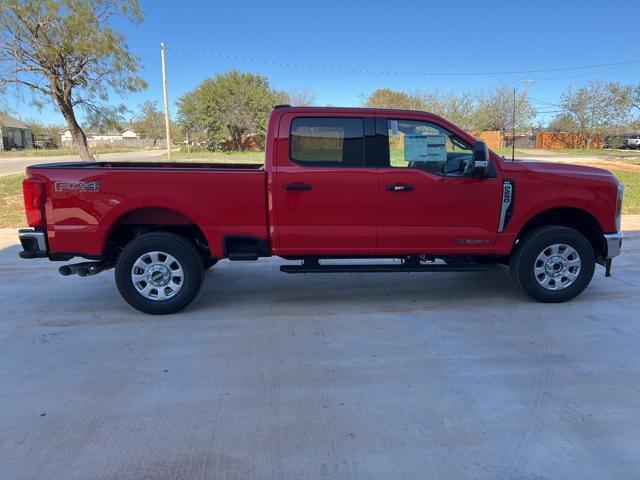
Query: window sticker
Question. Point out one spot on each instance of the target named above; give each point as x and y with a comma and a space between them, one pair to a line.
425, 148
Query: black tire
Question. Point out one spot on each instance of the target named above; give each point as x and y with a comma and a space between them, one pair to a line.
183, 251
209, 262
527, 250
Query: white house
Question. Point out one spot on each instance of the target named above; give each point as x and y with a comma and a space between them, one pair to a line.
124, 131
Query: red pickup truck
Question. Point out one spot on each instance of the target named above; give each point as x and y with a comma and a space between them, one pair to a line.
366, 184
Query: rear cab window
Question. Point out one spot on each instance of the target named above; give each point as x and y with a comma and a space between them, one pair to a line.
327, 141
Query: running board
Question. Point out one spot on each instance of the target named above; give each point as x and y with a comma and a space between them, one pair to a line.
382, 268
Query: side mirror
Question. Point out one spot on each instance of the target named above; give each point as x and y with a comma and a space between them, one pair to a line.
480, 160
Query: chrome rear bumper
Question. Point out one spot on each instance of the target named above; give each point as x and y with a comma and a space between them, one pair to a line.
614, 244
34, 243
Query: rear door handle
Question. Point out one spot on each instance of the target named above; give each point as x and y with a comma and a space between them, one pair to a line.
399, 187
297, 186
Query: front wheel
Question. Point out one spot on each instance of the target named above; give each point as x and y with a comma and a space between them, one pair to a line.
159, 273
553, 264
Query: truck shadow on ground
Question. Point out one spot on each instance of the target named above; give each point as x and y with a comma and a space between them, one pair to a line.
228, 284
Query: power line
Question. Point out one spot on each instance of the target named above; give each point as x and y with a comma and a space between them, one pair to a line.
543, 102
392, 72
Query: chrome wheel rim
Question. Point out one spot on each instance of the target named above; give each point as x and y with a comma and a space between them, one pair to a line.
557, 266
157, 276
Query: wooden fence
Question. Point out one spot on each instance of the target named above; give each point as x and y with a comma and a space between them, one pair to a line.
551, 140
493, 138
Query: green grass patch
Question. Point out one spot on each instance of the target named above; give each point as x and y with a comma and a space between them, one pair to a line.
11, 202
631, 180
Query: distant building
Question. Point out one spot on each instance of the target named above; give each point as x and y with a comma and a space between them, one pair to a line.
14, 133
125, 130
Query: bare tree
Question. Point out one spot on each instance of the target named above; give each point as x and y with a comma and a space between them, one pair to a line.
302, 97
495, 110
595, 109
66, 52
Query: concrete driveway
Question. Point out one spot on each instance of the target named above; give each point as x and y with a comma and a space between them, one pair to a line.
274, 376
11, 165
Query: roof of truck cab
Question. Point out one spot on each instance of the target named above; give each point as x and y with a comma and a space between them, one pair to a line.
360, 110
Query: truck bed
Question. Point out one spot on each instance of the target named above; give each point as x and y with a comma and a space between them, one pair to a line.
85, 201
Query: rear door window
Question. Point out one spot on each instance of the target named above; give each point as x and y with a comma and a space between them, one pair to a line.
327, 141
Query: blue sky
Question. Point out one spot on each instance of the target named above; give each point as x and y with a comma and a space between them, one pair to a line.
461, 36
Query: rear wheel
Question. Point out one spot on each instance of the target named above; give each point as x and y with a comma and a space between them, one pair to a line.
159, 273
553, 264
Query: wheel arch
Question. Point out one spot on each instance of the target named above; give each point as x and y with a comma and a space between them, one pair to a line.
572, 217
144, 219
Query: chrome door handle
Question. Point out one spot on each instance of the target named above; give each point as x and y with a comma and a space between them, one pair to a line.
399, 187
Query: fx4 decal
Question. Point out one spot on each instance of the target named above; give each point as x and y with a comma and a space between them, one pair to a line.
77, 187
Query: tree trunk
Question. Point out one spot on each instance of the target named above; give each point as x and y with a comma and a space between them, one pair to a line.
236, 136
77, 135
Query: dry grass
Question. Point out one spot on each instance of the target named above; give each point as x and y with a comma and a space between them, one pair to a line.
218, 157
57, 152
11, 202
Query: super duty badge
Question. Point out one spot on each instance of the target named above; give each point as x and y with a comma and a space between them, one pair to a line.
77, 187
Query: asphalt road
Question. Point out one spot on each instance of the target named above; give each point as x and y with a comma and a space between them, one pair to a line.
274, 376
11, 165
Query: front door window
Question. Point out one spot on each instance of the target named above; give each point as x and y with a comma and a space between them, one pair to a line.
429, 147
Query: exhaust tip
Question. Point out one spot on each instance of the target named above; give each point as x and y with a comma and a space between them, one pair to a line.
65, 270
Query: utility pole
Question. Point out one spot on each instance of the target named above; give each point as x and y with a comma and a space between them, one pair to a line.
513, 128
526, 83
166, 102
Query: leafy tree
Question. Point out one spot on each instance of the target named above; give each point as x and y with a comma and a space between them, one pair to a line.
388, 98
495, 110
484, 111
562, 123
459, 109
150, 122
635, 97
595, 109
231, 106
65, 51
635, 107
106, 119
